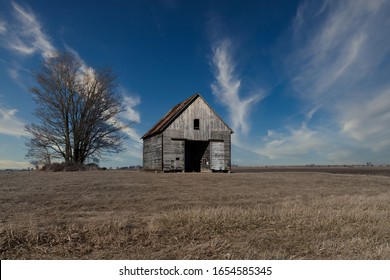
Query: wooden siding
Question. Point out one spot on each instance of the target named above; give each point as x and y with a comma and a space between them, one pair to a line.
152, 153
173, 159
209, 122
217, 156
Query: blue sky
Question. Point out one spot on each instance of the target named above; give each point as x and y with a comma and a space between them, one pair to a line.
298, 81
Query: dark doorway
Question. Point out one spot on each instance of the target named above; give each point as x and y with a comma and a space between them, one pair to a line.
194, 151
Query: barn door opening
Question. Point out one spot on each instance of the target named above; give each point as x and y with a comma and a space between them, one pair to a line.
194, 152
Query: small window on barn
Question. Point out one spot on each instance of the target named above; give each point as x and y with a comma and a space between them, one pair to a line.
196, 123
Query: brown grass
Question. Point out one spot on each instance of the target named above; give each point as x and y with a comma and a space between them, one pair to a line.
131, 215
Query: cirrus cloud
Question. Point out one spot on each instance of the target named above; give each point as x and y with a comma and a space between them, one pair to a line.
3, 28
297, 144
10, 124
227, 89
13, 164
339, 61
28, 37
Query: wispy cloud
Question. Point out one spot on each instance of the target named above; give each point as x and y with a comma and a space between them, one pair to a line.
227, 88
12, 164
294, 145
368, 122
20, 75
13, 73
3, 28
132, 115
132, 133
24, 34
337, 46
135, 151
339, 62
10, 124
130, 102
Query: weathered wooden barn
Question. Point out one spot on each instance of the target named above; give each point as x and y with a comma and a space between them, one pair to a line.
191, 137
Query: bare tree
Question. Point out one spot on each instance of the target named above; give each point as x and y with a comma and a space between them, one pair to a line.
38, 152
77, 108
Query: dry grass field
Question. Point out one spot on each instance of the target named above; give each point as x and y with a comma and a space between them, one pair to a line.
137, 215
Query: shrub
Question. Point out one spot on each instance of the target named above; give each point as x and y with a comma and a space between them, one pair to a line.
62, 166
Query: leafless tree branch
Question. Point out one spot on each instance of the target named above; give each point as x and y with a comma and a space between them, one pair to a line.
77, 108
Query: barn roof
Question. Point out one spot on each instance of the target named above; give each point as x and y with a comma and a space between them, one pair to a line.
169, 117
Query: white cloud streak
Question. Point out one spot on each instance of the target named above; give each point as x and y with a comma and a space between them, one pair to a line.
339, 62
23, 36
3, 28
135, 151
12, 164
132, 133
27, 37
368, 123
13, 73
337, 47
297, 144
10, 124
130, 113
226, 88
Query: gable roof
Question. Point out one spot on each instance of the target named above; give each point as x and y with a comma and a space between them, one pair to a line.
172, 114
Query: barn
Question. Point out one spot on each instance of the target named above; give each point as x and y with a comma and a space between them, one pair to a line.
191, 137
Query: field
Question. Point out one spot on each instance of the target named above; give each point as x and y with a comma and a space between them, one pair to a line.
139, 215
